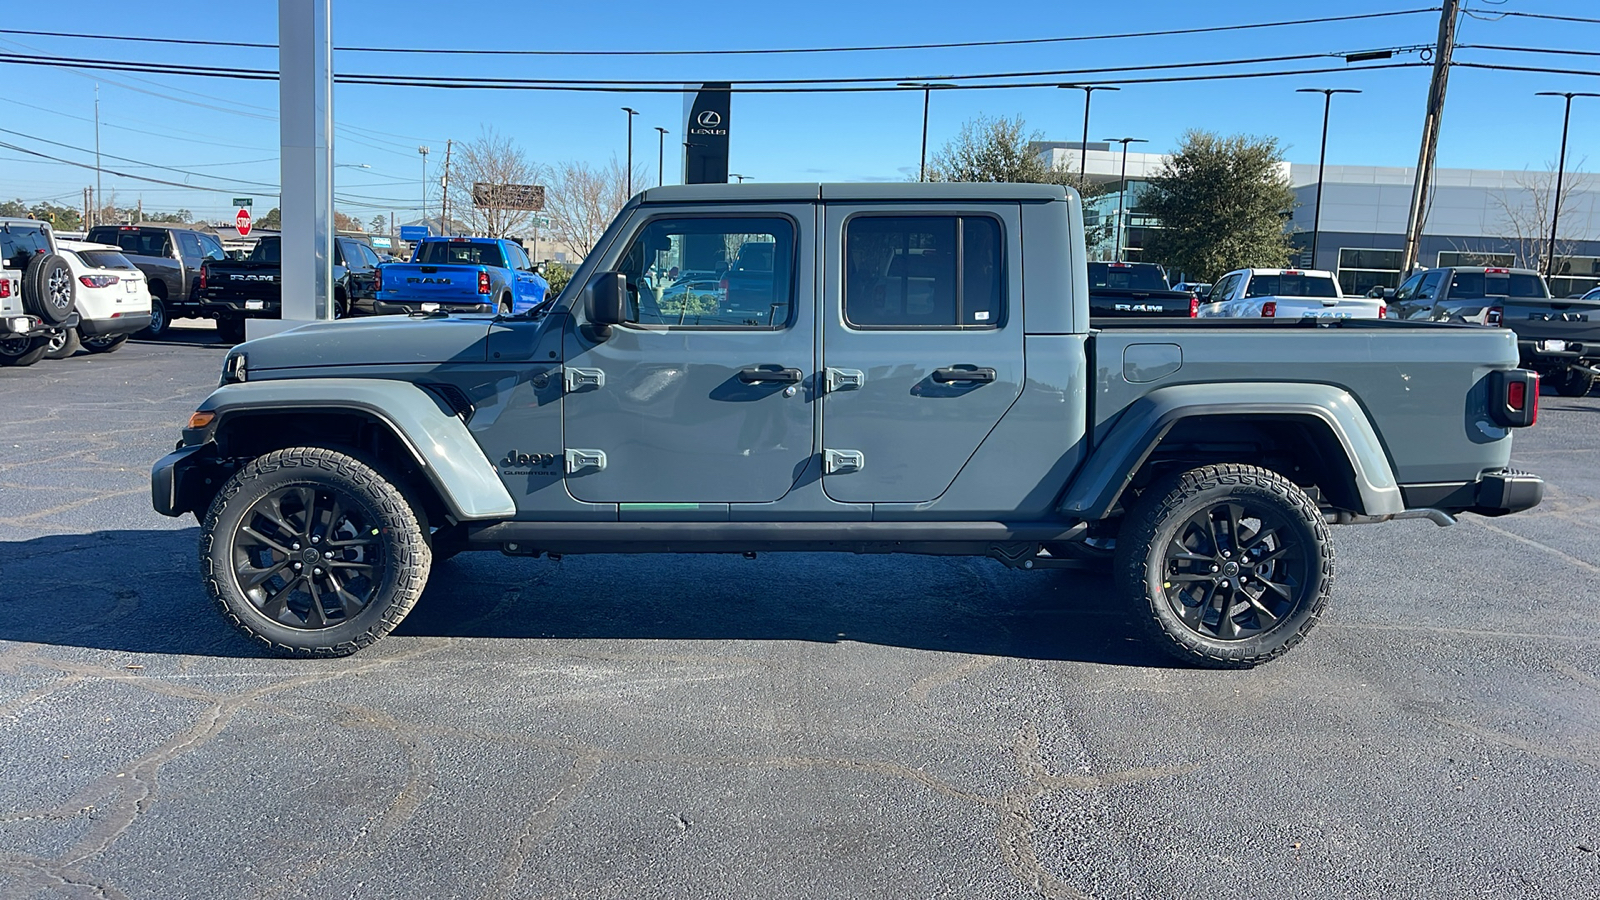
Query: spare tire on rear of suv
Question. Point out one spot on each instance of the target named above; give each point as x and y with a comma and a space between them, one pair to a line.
48, 289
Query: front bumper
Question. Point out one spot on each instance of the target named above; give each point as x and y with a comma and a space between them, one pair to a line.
186, 479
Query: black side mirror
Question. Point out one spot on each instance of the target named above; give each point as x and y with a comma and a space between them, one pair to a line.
608, 302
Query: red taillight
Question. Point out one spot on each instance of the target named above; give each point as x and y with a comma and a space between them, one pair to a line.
1496, 316
377, 279
1383, 312
1269, 309
1194, 307
5, 287
723, 284
100, 281
1514, 397
1291, 271
1497, 271
483, 282
1517, 395
205, 275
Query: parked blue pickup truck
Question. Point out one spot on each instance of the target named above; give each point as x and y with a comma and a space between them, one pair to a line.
461, 274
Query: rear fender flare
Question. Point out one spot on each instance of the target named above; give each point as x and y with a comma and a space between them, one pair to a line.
1142, 426
439, 442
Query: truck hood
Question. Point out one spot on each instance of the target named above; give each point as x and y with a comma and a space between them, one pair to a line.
378, 340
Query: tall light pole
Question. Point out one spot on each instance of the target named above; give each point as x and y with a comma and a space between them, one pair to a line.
1322, 160
99, 196
661, 156
1122, 192
631, 113
927, 91
424, 151
1083, 150
1561, 171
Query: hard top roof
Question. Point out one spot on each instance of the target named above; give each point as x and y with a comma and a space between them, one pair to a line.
891, 191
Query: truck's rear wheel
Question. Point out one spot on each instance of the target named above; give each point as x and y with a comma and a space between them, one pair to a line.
312, 552
158, 311
1572, 383
230, 329
1226, 566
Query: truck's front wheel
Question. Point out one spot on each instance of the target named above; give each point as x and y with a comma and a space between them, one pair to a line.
1226, 566
312, 552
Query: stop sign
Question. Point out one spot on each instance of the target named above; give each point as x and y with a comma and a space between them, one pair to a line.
242, 220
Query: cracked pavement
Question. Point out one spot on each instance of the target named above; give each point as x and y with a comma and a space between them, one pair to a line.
792, 726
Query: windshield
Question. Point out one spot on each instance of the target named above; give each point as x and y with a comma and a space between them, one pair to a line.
1127, 277
1478, 285
453, 253
266, 250
1291, 286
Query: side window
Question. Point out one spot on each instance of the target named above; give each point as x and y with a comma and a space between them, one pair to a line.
1430, 285
212, 248
189, 242
519, 258
712, 272
1408, 289
1224, 288
338, 253
923, 272
370, 256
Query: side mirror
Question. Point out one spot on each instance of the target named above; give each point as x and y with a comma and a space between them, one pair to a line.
608, 302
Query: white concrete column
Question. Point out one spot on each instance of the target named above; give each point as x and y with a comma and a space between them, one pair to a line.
305, 130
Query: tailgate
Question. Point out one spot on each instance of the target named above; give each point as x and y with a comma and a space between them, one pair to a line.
1113, 303
242, 281
415, 281
1538, 322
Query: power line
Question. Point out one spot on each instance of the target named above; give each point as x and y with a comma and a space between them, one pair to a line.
1553, 18
1539, 69
1210, 29
1550, 50
139, 162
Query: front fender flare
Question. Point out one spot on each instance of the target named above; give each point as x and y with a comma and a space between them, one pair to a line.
1146, 421
438, 441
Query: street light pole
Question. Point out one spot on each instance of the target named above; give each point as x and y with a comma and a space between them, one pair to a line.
738, 176
1322, 160
631, 113
661, 156
1083, 149
424, 151
1561, 171
927, 91
1122, 192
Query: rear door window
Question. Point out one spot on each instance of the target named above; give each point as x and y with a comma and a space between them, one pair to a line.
189, 242
923, 272
212, 248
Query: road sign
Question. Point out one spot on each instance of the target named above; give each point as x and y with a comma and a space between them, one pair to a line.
243, 202
541, 221
242, 220
411, 233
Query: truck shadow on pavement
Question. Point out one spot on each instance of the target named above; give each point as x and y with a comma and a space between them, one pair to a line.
138, 592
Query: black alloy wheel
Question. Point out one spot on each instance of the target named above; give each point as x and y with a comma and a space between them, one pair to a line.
19, 350
104, 343
313, 552
1225, 566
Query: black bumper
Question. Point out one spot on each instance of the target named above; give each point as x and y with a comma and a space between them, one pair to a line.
127, 323
1493, 494
406, 307
36, 326
236, 309
186, 479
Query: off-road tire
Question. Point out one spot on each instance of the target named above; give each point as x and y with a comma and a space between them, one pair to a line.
1159, 519
230, 329
22, 351
62, 345
405, 556
49, 289
104, 343
1572, 383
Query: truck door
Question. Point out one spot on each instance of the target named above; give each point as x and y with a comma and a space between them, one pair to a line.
921, 344
705, 396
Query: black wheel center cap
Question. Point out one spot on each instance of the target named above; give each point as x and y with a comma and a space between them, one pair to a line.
309, 555
1230, 569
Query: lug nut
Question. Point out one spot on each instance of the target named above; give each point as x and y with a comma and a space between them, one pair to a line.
297, 567
1214, 567
296, 546
328, 554
316, 538
316, 571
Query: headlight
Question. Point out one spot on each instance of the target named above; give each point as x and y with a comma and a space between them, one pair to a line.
235, 368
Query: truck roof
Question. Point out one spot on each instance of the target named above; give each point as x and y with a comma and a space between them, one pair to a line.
806, 192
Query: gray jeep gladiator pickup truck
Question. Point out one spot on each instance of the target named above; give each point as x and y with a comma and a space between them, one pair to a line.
916, 374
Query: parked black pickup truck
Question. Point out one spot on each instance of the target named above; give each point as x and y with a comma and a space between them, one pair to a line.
1123, 290
1558, 338
252, 288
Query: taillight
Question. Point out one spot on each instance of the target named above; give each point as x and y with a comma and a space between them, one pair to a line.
100, 281
1194, 307
1496, 270
377, 279
1514, 397
1496, 316
205, 275
1269, 309
723, 284
5, 287
1383, 312
483, 282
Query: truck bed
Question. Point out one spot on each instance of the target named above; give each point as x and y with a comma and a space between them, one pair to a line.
1398, 371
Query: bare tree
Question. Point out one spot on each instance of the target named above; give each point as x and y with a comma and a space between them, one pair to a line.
491, 159
1525, 217
582, 200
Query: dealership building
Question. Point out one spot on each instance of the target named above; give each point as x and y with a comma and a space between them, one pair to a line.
1475, 216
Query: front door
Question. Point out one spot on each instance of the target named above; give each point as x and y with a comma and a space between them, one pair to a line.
921, 347
705, 395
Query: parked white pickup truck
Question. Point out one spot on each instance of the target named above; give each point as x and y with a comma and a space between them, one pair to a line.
1287, 294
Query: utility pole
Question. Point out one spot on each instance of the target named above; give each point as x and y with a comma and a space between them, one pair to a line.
99, 195
1430, 134
141, 210
444, 198
424, 151
88, 207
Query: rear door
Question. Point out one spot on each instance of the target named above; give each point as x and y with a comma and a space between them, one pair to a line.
921, 344
702, 397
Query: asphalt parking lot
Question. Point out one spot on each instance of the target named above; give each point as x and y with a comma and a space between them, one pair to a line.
791, 726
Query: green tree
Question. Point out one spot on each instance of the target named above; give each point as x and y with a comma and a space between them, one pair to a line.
272, 221
1001, 149
379, 224
1222, 203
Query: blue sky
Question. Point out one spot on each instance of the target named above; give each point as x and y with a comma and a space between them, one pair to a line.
228, 128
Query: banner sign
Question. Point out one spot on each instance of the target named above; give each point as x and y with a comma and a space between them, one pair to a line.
705, 129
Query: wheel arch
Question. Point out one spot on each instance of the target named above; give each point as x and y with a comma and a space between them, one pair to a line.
1314, 434
397, 424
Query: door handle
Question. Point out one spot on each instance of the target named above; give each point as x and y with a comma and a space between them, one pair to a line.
769, 375
951, 374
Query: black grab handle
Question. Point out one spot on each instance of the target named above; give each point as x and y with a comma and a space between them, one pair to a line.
955, 373
774, 375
